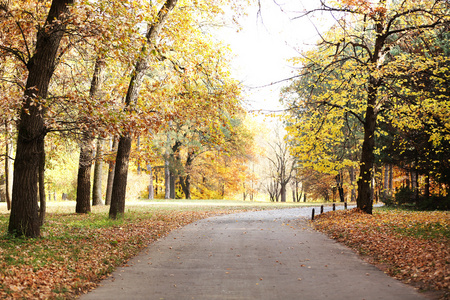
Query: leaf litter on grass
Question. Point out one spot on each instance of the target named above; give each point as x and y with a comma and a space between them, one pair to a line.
76, 251
411, 246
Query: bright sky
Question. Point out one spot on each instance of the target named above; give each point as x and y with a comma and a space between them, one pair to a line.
263, 47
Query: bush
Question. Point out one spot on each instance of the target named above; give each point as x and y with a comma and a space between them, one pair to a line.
389, 201
434, 203
404, 196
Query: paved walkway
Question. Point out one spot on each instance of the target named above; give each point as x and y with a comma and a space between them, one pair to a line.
255, 255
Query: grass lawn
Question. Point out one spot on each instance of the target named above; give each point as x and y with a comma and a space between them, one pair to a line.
76, 251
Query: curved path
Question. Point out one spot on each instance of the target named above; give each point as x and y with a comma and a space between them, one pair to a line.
253, 255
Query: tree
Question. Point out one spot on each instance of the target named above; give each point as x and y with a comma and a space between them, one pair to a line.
281, 165
97, 186
415, 137
52, 53
175, 62
24, 219
204, 153
111, 167
87, 148
125, 140
8, 165
364, 34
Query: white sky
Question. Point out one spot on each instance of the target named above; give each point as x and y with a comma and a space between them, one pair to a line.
263, 47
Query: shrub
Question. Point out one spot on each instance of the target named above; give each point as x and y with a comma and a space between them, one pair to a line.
434, 203
404, 196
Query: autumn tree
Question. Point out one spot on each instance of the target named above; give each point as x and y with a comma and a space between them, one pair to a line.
87, 148
125, 140
51, 53
165, 46
198, 148
40, 63
323, 138
282, 165
364, 35
414, 137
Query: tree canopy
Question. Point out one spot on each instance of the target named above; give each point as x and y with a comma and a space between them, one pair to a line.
98, 68
361, 73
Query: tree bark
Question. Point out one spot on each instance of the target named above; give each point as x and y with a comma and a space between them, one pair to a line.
172, 185
364, 201
42, 203
186, 186
283, 192
8, 166
98, 172
111, 168
166, 178
386, 182
123, 154
151, 190
87, 148
339, 183
416, 185
186, 179
138, 162
83, 202
351, 173
24, 218
175, 167
426, 192
120, 177
391, 180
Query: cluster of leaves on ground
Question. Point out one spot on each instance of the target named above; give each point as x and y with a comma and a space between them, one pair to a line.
76, 251
408, 245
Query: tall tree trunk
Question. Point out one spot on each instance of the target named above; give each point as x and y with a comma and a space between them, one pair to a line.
295, 192
373, 187
416, 185
83, 202
386, 182
123, 154
185, 182
156, 188
351, 173
364, 201
151, 191
120, 177
186, 179
111, 168
98, 175
42, 203
427, 186
283, 192
172, 185
339, 183
175, 167
8, 166
24, 218
138, 162
391, 180
166, 178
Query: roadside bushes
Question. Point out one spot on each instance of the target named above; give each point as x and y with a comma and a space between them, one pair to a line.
406, 197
